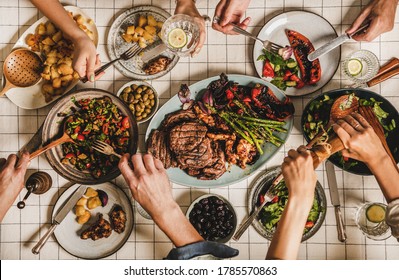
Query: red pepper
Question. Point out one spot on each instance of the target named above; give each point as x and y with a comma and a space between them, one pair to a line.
84, 102
122, 141
85, 132
80, 137
247, 99
294, 78
77, 129
105, 128
267, 69
309, 224
261, 199
299, 84
125, 123
229, 94
287, 75
255, 92
275, 199
345, 158
70, 155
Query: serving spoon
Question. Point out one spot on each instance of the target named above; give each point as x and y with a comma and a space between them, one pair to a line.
65, 138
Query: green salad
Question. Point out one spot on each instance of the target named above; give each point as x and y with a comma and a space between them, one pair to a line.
95, 119
318, 115
270, 215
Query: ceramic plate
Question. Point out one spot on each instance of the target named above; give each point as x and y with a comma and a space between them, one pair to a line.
53, 129
316, 28
354, 166
235, 174
261, 185
116, 45
32, 97
68, 232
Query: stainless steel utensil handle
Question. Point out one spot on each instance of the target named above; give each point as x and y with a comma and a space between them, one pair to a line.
43, 240
244, 32
248, 221
340, 224
99, 70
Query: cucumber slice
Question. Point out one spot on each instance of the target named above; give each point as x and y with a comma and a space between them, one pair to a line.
290, 83
312, 125
310, 118
277, 68
292, 64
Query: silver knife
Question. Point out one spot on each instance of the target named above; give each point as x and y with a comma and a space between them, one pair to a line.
34, 143
334, 43
62, 213
332, 183
152, 53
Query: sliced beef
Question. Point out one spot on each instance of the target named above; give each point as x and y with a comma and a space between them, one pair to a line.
158, 146
199, 157
180, 116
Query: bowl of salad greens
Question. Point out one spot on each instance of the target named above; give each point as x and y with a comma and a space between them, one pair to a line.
316, 115
267, 220
86, 116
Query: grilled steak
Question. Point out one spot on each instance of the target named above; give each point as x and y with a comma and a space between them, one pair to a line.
158, 147
180, 116
186, 137
101, 228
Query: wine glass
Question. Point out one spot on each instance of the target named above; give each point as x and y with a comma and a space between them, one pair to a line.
180, 34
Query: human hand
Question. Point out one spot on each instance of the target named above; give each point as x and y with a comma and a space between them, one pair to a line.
148, 183
359, 138
187, 7
381, 14
299, 175
230, 11
85, 59
12, 173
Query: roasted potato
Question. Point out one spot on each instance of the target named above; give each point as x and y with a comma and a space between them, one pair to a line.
142, 20
90, 192
151, 21
93, 202
82, 201
84, 218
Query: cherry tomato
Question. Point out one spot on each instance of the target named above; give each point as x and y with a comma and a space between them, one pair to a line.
309, 224
77, 129
105, 128
125, 123
88, 165
275, 199
70, 155
80, 137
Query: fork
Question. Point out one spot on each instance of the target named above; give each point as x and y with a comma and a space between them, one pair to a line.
269, 195
270, 46
104, 148
128, 54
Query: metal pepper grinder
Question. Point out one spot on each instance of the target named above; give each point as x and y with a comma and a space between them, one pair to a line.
37, 183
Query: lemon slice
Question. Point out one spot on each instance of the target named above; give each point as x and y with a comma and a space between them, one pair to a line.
177, 38
355, 66
375, 213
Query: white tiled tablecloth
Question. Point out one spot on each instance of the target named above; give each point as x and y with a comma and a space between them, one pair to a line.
20, 230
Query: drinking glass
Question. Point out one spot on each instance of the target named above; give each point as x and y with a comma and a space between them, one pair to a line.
190, 28
370, 66
373, 230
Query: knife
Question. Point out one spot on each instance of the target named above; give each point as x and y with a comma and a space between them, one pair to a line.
152, 53
34, 143
334, 195
334, 43
62, 213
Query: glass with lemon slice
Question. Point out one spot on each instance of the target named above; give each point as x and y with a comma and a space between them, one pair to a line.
360, 67
370, 218
180, 33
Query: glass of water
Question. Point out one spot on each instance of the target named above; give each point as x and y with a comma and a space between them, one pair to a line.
370, 219
180, 33
361, 66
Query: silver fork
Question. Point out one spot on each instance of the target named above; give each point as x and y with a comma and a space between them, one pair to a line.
104, 148
128, 54
269, 195
270, 46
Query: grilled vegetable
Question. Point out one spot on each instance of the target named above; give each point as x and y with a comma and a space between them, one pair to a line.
310, 70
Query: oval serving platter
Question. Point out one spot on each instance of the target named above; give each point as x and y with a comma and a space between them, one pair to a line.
235, 174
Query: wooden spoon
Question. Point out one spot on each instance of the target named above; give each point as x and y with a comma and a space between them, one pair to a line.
342, 106
64, 139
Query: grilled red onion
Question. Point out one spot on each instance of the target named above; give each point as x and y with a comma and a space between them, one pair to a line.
184, 94
286, 52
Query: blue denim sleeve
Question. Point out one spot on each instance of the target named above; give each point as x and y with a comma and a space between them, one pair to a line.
201, 249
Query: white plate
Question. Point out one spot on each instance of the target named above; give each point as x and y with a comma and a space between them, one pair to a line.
68, 232
235, 173
116, 45
316, 28
32, 97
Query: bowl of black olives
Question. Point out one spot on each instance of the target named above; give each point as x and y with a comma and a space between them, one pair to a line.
213, 217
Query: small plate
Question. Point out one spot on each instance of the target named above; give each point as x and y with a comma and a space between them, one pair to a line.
32, 97
116, 45
140, 83
392, 139
262, 183
68, 232
316, 28
228, 237
235, 174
